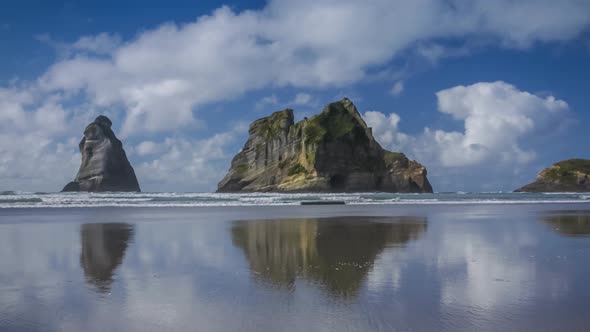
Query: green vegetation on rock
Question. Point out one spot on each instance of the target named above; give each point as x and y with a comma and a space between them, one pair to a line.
310, 155
391, 157
338, 125
575, 165
569, 168
313, 132
339, 122
272, 125
331, 151
565, 171
335, 122
566, 175
297, 169
241, 168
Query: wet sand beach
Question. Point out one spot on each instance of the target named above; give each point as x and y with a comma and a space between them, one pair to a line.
461, 267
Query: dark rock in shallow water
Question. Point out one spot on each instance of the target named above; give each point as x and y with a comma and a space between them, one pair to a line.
565, 176
323, 203
333, 151
104, 164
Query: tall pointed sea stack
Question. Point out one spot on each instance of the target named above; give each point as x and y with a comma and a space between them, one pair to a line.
333, 151
104, 164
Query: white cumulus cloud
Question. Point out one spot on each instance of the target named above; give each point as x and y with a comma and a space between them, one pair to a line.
157, 81
495, 115
497, 118
147, 148
37, 149
271, 100
102, 43
301, 99
165, 73
182, 164
386, 131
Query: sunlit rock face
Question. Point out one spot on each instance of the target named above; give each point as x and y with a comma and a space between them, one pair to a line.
335, 252
104, 166
103, 250
572, 175
333, 151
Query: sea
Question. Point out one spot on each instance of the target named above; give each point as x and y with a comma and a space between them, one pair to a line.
264, 262
16, 199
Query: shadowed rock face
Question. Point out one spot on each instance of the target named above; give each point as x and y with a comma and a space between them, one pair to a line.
572, 175
104, 164
333, 151
103, 249
335, 252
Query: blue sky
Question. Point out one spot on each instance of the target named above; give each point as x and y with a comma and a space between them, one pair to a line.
483, 94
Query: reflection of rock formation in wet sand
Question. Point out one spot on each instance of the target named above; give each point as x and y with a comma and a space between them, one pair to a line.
569, 223
103, 249
336, 252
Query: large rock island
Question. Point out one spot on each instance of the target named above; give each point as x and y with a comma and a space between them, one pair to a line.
565, 176
104, 164
333, 151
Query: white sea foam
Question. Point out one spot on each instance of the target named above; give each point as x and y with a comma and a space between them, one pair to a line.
61, 200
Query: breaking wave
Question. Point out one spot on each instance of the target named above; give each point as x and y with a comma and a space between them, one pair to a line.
13, 199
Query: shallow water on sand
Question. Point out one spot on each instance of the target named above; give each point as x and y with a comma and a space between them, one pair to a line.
293, 268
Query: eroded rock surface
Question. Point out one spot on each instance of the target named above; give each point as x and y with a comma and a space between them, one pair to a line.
570, 175
333, 151
104, 166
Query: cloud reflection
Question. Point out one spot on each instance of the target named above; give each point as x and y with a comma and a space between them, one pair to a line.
476, 268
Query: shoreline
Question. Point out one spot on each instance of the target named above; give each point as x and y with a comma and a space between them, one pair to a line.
179, 200
105, 214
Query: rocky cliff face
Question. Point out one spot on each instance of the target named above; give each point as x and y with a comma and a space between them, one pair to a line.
104, 164
565, 176
333, 151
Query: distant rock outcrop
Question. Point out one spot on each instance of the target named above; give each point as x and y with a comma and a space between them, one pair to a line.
331, 152
104, 164
565, 176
